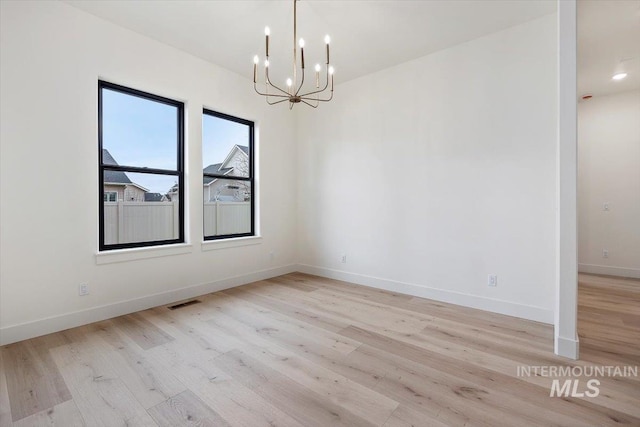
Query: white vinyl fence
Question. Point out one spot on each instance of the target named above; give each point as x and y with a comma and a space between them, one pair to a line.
126, 222
221, 218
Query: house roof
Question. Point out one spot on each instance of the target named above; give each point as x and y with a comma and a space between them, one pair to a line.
218, 169
214, 169
116, 177
152, 197
113, 177
243, 148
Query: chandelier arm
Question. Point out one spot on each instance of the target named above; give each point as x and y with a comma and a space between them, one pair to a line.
313, 93
274, 86
268, 94
309, 104
318, 99
301, 83
277, 102
319, 90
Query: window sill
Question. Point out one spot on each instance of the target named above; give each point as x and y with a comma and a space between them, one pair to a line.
212, 245
124, 255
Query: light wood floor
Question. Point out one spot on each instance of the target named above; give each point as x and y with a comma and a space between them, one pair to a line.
302, 350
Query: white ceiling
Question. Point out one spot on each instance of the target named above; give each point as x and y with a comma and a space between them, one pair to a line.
608, 43
367, 36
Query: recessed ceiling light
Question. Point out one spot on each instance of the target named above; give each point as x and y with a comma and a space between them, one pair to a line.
619, 76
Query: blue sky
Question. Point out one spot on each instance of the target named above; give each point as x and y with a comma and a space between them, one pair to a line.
218, 138
139, 132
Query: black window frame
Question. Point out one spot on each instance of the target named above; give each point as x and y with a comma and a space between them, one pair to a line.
179, 172
250, 178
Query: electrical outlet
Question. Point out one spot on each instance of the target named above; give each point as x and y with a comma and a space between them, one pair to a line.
492, 280
83, 289
343, 259
605, 253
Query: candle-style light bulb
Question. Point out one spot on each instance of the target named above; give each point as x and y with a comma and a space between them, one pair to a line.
289, 82
331, 71
301, 42
327, 39
317, 75
255, 68
267, 31
317, 68
266, 63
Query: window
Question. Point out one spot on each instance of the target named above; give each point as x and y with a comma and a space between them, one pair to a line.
228, 181
110, 196
140, 150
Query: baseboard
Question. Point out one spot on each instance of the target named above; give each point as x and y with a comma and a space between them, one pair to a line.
528, 312
609, 271
567, 347
19, 332
23, 331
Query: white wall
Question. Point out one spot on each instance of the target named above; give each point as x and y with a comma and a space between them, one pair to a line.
428, 176
433, 174
609, 172
566, 341
51, 58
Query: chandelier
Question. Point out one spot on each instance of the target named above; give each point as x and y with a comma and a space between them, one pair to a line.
293, 92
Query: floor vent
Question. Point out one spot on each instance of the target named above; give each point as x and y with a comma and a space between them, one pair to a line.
184, 304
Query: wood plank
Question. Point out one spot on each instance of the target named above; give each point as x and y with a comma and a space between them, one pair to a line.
404, 416
303, 404
63, 415
608, 323
419, 360
185, 410
237, 404
620, 398
5, 408
364, 292
361, 401
145, 334
187, 328
258, 296
296, 283
34, 382
361, 313
148, 382
267, 321
303, 350
100, 395
472, 317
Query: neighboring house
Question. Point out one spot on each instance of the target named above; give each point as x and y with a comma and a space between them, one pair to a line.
172, 194
153, 197
117, 185
215, 189
235, 164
